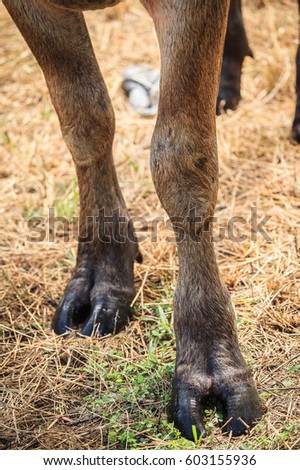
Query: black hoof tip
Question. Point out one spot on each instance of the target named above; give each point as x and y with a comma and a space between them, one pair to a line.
139, 258
243, 408
102, 316
226, 101
69, 313
296, 132
187, 413
236, 427
108, 316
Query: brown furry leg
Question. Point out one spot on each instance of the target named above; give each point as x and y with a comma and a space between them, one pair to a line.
99, 294
185, 171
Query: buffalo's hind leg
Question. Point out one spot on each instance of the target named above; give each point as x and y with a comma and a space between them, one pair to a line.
184, 165
236, 48
99, 294
296, 122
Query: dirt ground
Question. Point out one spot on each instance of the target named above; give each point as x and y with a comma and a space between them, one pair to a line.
114, 392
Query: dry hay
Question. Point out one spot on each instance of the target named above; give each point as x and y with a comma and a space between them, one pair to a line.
48, 384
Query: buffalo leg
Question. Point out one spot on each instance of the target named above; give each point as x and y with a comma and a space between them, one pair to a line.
98, 296
296, 122
184, 166
236, 48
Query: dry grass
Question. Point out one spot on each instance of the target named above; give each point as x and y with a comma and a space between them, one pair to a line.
113, 392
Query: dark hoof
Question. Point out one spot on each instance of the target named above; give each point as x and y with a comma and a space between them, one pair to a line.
241, 403
187, 411
243, 408
296, 132
103, 316
70, 313
108, 315
227, 99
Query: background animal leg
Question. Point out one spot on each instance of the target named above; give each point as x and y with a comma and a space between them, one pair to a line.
236, 48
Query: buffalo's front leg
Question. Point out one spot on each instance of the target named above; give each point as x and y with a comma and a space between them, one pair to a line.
100, 292
236, 48
185, 171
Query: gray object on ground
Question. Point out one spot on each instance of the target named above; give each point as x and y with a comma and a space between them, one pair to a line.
141, 85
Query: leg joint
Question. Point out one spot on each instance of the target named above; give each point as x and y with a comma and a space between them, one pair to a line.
185, 174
